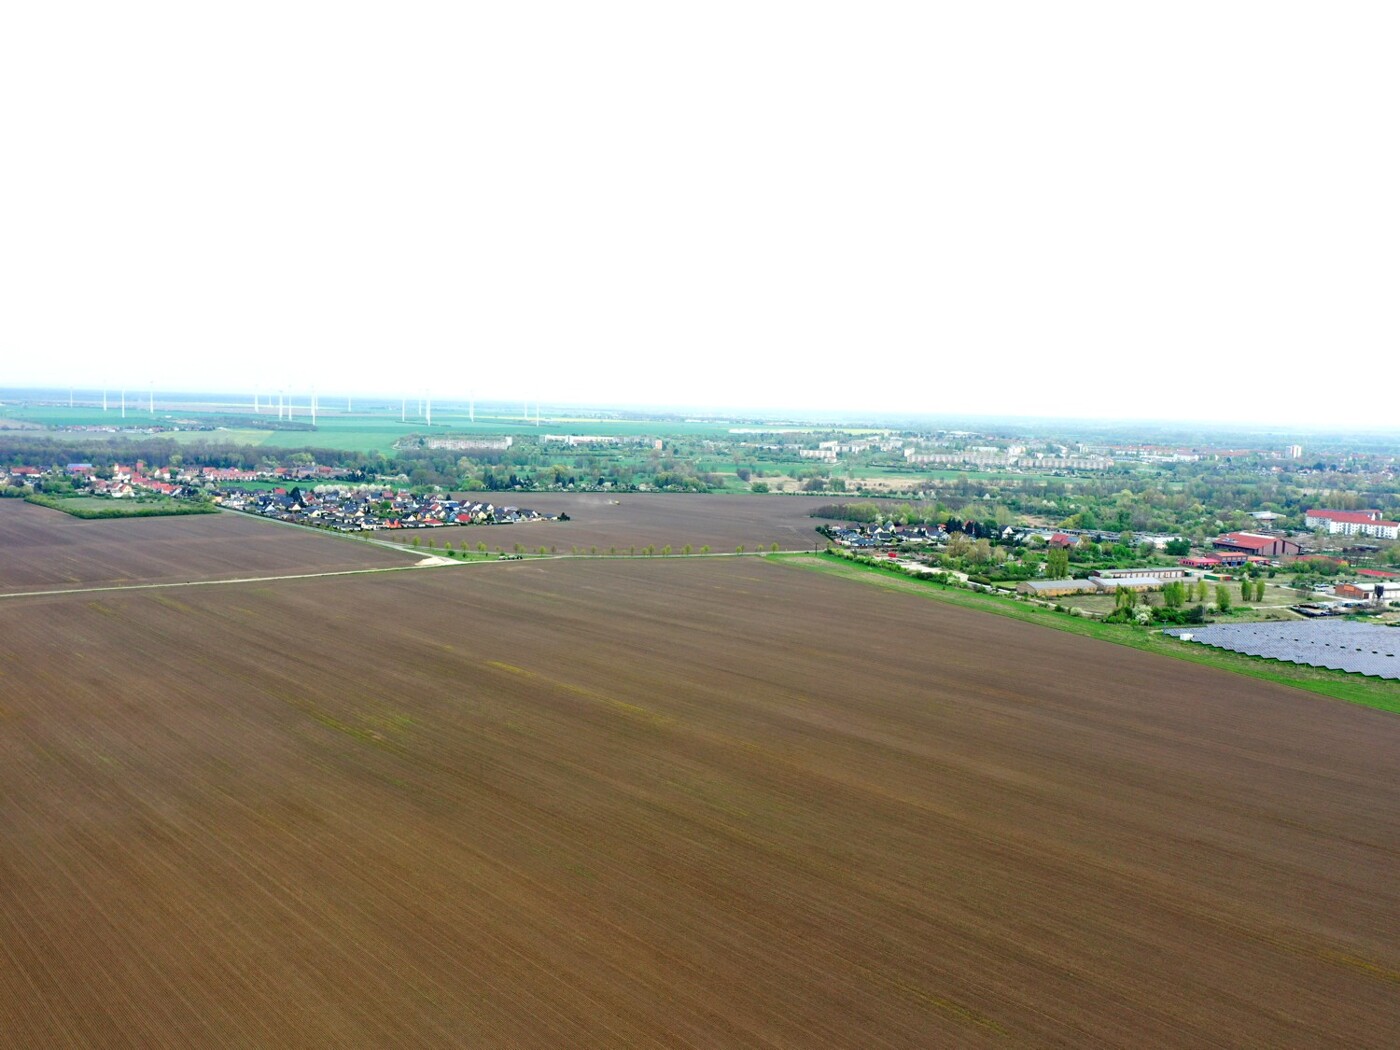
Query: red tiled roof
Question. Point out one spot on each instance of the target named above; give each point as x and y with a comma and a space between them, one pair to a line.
1244, 539
1377, 573
1354, 517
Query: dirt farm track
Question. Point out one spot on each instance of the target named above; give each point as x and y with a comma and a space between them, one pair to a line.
704, 802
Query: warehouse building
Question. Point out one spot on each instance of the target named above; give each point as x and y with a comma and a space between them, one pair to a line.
1054, 588
1160, 572
1258, 545
1129, 583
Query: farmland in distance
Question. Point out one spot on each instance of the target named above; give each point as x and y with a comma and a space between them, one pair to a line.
706, 802
659, 519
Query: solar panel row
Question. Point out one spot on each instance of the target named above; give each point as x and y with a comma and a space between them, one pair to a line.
1342, 645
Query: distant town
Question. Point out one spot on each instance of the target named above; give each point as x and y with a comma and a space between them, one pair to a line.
1129, 523
310, 495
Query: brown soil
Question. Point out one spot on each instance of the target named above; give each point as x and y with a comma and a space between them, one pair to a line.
708, 802
43, 549
658, 519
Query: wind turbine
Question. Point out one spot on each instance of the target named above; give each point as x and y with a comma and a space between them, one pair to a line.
123, 402
428, 398
151, 398
104, 399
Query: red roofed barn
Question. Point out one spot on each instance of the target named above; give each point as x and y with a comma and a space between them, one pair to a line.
1259, 546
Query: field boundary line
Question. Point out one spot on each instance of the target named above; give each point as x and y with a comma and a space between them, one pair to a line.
426, 564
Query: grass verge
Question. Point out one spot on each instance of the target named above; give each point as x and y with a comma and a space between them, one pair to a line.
1356, 689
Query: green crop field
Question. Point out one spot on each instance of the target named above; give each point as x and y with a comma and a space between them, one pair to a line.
80, 416
358, 431
104, 507
255, 486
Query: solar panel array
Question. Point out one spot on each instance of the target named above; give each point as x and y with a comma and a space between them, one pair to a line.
1342, 645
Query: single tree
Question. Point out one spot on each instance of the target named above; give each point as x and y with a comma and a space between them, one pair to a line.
1222, 598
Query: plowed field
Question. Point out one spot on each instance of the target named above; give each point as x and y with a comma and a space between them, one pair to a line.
656, 518
706, 802
42, 549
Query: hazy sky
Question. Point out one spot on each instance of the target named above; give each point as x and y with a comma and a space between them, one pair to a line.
1013, 207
